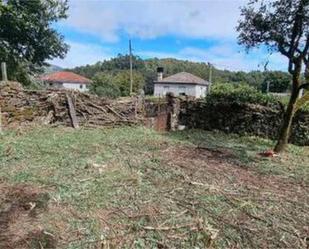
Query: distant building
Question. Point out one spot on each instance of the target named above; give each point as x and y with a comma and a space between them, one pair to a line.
180, 84
66, 80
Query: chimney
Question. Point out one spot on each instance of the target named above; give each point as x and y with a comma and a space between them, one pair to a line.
160, 73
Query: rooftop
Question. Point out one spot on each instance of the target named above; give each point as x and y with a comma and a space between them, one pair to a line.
65, 77
184, 78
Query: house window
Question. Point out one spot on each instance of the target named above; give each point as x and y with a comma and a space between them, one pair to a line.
50, 84
81, 86
182, 90
165, 89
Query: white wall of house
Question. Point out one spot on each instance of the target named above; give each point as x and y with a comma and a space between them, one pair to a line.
197, 91
72, 86
201, 91
75, 86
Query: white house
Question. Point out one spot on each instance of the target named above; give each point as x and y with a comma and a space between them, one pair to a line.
66, 80
180, 84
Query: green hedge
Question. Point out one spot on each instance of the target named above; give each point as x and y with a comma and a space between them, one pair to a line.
238, 93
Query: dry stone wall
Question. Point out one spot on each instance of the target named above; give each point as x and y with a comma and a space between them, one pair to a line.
244, 118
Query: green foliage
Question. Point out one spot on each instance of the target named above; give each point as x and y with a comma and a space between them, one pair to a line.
113, 66
115, 85
303, 102
237, 93
102, 85
278, 82
27, 36
148, 69
122, 81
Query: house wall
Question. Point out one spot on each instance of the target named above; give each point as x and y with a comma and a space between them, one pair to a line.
75, 86
201, 91
198, 91
72, 86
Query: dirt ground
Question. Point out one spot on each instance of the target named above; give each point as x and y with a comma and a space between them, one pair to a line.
21, 208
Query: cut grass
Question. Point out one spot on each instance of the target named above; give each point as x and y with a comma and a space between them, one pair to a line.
131, 187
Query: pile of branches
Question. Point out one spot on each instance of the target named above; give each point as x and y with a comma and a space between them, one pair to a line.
62, 107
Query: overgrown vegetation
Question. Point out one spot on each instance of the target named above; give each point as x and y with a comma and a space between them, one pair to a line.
238, 93
243, 93
131, 187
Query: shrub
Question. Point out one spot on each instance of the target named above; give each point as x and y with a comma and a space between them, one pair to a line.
102, 86
237, 93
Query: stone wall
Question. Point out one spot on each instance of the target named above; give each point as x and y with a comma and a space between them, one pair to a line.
162, 114
238, 118
20, 107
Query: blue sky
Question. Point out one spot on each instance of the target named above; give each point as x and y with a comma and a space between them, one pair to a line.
202, 31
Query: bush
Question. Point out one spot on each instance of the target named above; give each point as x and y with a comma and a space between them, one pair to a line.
237, 93
102, 86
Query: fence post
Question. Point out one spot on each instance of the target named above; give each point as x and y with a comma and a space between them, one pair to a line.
0, 121
3, 71
4, 78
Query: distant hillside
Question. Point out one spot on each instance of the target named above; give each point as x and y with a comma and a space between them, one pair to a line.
51, 69
279, 81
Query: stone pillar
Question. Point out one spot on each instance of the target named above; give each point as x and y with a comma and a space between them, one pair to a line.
173, 111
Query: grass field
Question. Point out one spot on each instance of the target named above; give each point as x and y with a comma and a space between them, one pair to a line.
130, 187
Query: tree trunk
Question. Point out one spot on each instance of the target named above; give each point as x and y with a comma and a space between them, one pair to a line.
285, 130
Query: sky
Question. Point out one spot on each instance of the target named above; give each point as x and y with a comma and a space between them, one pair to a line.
195, 30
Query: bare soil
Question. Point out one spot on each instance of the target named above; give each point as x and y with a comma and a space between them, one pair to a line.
21, 206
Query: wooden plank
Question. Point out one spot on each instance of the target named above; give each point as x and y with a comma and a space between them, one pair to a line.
72, 112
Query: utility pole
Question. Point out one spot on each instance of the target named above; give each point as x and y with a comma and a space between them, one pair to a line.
210, 75
268, 86
131, 68
210, 72
4, 78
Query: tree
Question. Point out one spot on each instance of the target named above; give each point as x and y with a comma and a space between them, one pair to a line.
122, 80
278, 82
282, 26
102, 85
27, 37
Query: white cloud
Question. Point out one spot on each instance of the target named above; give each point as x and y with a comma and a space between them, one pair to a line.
154, 18
150, 19
223, 56
82, 54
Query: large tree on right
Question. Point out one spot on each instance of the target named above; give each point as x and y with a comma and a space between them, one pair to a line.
282, 26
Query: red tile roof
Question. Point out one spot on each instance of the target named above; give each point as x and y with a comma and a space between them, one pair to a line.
65, 77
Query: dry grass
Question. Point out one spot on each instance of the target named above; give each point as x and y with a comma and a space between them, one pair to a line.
134, 188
